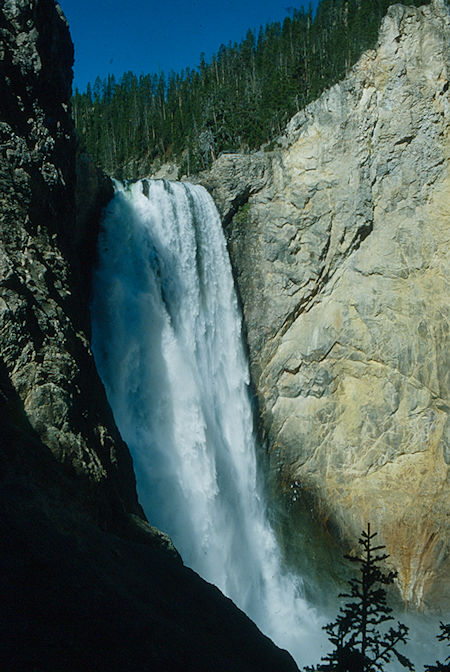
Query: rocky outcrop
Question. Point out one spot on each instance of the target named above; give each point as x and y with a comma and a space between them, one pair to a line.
339, 249
86, 582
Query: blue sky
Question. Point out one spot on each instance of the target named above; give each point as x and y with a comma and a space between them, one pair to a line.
143, 36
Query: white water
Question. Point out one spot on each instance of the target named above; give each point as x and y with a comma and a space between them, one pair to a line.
167, 342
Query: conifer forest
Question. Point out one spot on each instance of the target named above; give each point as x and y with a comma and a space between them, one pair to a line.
238, 101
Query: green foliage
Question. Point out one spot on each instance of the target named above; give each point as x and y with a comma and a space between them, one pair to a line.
359, 644
240, 218
444, 636
238, 101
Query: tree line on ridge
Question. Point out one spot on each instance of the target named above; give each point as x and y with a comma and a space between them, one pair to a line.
238, 101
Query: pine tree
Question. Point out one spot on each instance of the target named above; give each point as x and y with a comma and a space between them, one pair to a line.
359, 644
442, 637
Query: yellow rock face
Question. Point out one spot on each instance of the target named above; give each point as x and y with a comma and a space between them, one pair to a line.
343, 271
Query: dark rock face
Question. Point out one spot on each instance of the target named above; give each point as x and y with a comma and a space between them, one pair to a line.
85, 582
45, 250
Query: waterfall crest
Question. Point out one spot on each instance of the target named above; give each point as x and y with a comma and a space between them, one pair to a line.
167, 342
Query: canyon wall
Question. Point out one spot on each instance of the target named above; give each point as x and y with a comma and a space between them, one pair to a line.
338, 234
45, 254
86, 582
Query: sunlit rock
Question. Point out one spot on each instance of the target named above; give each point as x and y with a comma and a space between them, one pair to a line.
340, 255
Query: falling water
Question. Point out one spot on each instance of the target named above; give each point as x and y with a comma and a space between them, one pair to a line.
167, 341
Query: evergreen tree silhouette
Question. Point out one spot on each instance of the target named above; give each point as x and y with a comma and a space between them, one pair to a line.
442, 637
359, 645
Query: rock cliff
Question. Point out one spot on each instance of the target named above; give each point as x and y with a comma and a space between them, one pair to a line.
86, 583
339, 243
45, 249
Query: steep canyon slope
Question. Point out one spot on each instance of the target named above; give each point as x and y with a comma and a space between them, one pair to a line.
338, 234
85, 582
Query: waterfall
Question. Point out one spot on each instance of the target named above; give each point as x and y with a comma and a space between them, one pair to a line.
168, 346
167, 342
